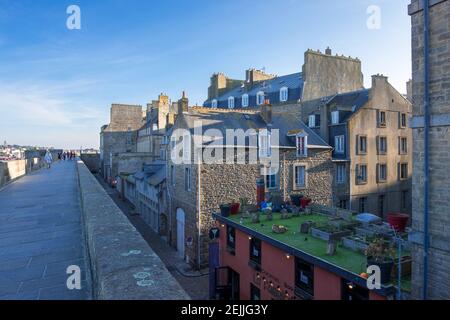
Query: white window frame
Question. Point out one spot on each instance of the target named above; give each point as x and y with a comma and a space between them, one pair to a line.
271, 181
245, 100
379, 177
284, 94
359, 140
339, 144
403, 115
403, 164
359, 173
214, 103
341, 173
301, 154
231, 102
381, 123
403, 151
260, 98
335, 117
264, 144
297, 185
312, 121
380, 150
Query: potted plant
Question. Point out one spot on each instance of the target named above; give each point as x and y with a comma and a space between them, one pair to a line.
225, 210
234, 208
243, 204
381, 253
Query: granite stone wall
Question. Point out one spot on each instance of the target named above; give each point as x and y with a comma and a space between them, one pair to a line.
439, 150
123, 266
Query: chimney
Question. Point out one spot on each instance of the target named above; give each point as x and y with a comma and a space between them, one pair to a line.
266, 112
218, 83
377, 79
253, 75
328, 51
183, 104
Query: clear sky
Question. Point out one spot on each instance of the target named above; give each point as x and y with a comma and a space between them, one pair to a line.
57, 85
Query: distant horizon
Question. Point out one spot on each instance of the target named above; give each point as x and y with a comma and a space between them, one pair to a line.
57, 85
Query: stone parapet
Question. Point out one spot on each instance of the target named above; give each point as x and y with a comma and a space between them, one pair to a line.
123, 266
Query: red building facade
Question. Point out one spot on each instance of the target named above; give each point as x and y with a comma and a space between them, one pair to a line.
261, 268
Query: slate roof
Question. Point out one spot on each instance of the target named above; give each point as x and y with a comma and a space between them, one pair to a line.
294, 82
158, 177
153, 173
350, 101
222, 121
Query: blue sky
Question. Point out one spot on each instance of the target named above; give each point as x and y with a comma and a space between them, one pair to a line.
57, 85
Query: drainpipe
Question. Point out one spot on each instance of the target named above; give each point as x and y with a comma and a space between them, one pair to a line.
426, 97
199, 171
169, 197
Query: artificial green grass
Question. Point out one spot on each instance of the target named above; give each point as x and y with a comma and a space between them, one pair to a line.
347, 259
344, 258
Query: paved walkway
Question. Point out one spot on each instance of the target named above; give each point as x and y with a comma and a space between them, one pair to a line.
41, 235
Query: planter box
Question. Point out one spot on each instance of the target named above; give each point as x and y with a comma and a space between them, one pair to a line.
326, 235
406, 267
354, 244
365, 231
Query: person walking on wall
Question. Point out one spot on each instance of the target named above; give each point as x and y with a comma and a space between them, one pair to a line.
48, 159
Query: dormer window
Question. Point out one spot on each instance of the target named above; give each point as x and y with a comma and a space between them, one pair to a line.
214, 103
260, 98
231, 103
245, 100
335, 117
312, 121
264, 144
284, 94
302, 145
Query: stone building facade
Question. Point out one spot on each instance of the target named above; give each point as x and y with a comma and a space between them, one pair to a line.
323, 74
196, 190
160, 115
437, 277
119, 136
369, 131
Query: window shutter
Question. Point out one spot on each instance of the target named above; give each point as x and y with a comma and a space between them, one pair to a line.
378, 145
357, 144
357, 173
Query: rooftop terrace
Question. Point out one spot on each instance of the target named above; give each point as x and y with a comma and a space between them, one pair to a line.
351, 262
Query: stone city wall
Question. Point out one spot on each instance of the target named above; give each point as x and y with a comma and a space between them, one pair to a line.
123, 266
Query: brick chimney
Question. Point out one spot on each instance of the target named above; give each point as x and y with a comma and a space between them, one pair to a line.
183, 104
253, 75
379, 80
218, 82
266, 112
